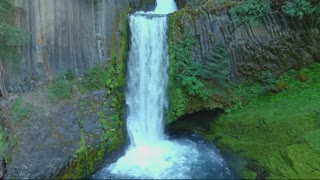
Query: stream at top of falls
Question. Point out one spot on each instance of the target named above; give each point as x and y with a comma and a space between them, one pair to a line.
151, 154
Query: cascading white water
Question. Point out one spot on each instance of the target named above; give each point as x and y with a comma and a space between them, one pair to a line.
147, 74
151, 154
147, 79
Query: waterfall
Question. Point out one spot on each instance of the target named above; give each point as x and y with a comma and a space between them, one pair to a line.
147, 78
147, 74
150, 154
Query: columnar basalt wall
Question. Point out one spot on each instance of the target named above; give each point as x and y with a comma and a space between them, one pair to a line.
65, 35
277, 44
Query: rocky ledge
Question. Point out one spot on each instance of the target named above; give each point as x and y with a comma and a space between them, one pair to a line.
47, 139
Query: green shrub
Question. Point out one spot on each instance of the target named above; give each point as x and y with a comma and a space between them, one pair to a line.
61, 88
245, 92
267, 80
298, 8
19, 110
11, 37
303, 8
93, 79
250, 11
217, 66
187, 71
69, 75
178, 101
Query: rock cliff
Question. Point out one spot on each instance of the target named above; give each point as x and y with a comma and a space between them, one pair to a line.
52, 138
277, 44
65, 35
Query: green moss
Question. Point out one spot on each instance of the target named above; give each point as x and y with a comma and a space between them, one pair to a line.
86, 159
313, 139
83, 164
277, 134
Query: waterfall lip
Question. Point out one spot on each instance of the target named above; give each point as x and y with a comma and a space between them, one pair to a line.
148, 14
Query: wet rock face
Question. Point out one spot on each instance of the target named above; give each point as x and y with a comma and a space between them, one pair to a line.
65, 35
277, 44
47, 141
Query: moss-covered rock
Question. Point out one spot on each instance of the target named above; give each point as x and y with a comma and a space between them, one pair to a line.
87, 159
278, 135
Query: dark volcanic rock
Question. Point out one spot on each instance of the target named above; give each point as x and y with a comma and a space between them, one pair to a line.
65, 35
47, 141
277, 44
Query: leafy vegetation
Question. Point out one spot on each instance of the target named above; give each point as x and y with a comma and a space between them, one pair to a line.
191, 81
116, 80
115, 86
250, 11
187, 71
303, 8
113, 135
93, 79
217, 65
11, 37
61, 88
20, 110
184, 76
298, 8
245, 92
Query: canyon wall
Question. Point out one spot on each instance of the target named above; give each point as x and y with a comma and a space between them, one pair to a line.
65, 35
